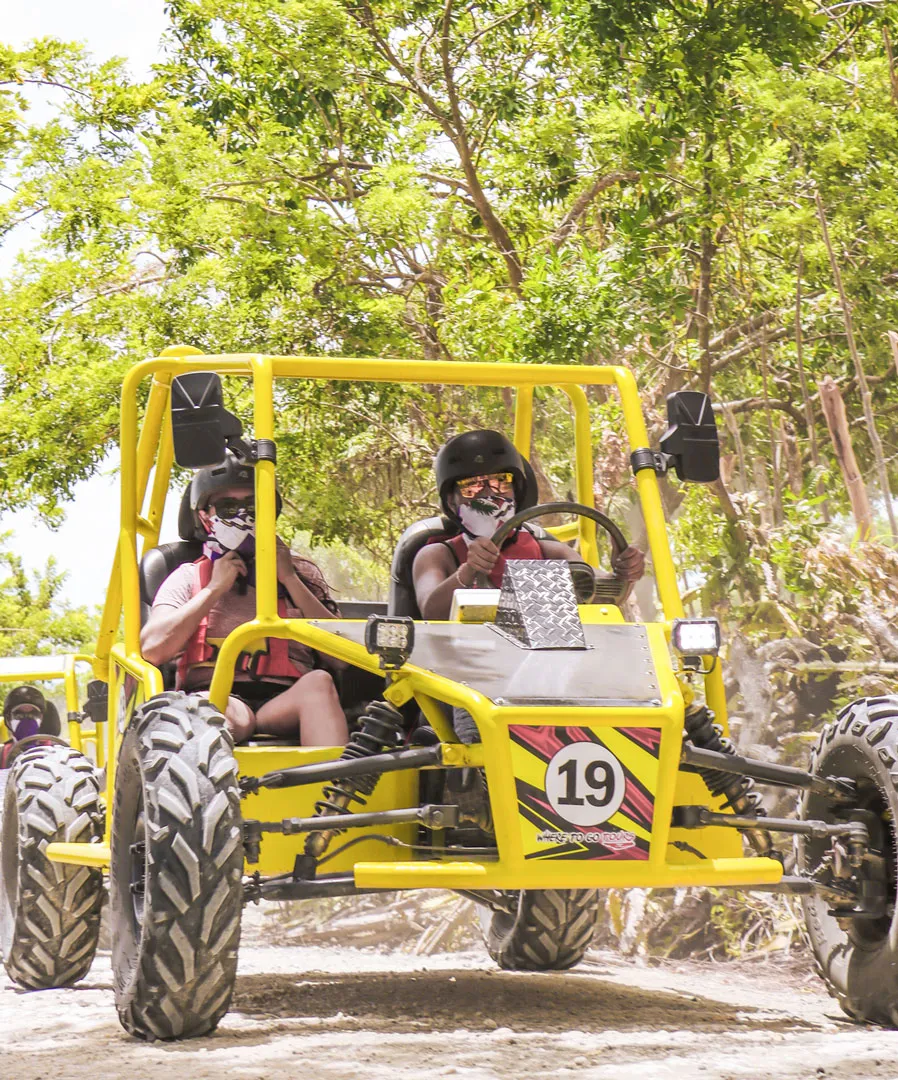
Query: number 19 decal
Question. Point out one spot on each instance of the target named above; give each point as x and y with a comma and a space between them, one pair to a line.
585, 783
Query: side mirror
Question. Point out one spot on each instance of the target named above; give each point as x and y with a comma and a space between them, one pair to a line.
201, 425
691, 439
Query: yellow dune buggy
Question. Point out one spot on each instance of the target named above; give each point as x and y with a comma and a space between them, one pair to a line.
603, 758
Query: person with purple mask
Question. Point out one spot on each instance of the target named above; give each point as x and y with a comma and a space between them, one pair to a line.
278, 689
26, 713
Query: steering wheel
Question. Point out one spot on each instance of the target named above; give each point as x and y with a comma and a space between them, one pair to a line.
482, 581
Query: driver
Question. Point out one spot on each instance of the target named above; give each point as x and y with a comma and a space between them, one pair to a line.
481, 482
278, 687
26, 712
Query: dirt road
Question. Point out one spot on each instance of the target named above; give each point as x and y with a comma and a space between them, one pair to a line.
337, 1012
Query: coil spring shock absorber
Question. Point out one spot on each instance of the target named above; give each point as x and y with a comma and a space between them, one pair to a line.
738, 790
380, 729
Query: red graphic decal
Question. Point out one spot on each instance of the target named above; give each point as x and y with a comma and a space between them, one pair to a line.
544, 740
650, 738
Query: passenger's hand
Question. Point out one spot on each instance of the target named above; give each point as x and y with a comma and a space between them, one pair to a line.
629, 564
286, 569
225, 572
482, 555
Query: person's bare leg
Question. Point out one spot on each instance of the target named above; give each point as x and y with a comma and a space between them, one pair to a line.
310, 708
322, 721
239, 719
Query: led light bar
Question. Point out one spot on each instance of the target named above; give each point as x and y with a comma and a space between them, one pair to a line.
696, 637
391, 637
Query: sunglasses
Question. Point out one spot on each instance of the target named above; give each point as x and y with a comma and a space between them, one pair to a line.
501, 483
229, 508
26, 712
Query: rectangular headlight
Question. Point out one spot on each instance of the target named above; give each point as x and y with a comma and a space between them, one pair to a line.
392, 636
696, 637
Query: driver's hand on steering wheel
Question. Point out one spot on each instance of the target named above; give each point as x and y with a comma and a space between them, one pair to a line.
628, 564
482, 555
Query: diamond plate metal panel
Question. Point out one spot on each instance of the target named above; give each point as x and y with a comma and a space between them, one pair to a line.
537, 606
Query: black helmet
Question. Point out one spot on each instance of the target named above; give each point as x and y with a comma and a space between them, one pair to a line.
476, 452
208, 482
23, 695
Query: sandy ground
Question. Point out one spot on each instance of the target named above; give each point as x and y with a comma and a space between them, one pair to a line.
339, 1012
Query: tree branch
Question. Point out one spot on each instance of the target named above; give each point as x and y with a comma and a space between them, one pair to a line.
749, 346
581, 204
755, 404
493, 225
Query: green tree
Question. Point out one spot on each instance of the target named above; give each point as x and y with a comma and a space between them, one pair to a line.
598, 182
34, 620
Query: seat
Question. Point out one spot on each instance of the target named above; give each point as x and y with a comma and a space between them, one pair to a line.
50, 724
401, 599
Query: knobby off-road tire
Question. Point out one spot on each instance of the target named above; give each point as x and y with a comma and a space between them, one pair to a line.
49, 911
858, 958
550, 929
176, 873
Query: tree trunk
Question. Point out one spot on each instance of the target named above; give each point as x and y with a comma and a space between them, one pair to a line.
774, 464
893, 341
837, 422
866, 398
733, 427
791, 457
706, 259
810, 419
759, 473
893, 75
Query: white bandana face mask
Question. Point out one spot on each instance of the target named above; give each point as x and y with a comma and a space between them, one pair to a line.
481, 517
231, 534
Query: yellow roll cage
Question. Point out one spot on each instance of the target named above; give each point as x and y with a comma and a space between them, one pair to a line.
147, 452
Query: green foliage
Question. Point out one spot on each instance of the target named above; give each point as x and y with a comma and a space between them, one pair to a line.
349, 574
599, 182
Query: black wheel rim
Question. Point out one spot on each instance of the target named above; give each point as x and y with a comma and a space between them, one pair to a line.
871, 800
138, 866
883, 870
9, 870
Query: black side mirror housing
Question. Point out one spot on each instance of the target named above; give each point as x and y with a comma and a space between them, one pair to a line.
201, 425
691, 440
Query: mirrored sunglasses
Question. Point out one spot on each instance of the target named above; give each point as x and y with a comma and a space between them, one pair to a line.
25, 712
229, 508
502, 483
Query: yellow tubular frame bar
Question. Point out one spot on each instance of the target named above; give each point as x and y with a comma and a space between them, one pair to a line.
153, 446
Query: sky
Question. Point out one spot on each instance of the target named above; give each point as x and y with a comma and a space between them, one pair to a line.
85, 544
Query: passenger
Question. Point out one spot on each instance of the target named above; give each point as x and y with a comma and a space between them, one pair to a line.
26, 713
278, 689
481, 481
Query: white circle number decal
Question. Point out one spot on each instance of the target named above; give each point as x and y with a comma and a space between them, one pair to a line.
585, 783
